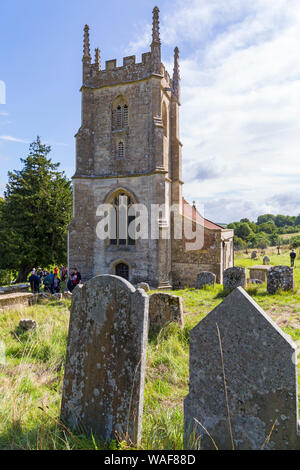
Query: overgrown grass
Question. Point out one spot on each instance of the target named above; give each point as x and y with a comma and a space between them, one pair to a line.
31, 379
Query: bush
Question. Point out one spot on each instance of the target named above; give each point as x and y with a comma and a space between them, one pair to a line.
295, 242
5, 277
239, 243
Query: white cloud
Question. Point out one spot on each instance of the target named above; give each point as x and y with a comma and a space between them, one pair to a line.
9, 138
240, 115
241, 110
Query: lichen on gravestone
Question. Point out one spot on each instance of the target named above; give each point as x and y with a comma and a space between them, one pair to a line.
243, 381
106, 359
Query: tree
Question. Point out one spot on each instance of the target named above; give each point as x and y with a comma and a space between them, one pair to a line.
268, 227
245, 221
35, 214
265, 218
295, 242
243, 231
282, 220
239, 243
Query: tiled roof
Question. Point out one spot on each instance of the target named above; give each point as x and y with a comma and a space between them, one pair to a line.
192, 213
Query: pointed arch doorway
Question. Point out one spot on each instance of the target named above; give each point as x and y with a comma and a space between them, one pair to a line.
122, 270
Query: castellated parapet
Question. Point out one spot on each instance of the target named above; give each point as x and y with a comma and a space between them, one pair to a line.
130, 71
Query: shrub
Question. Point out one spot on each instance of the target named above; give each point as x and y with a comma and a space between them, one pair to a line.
295, 242
5, 277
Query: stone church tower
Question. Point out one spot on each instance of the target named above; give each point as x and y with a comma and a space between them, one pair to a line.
128, 145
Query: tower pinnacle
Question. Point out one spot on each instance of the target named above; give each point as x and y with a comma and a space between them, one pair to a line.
156, 44
176, 74
97, 59
86, 45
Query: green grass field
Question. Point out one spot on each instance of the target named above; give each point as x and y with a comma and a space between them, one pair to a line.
32, 375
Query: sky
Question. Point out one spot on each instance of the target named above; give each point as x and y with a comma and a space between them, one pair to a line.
240, 69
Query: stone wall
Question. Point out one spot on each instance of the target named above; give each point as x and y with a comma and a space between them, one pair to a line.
19, 300
186, 265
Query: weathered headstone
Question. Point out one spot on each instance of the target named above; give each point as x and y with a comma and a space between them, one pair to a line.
256, 281
234, 277
28, 324
237, 344
280, 277
259, 272
106, 359
144, 286
165, 308
254, 255
266, 260
206, 278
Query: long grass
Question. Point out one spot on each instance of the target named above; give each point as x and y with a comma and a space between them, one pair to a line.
32, 376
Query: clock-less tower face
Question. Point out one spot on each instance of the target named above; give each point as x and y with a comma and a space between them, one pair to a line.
128, 144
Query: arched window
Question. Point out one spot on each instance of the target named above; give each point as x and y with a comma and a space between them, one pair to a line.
165, 119
119, 114
125, 115
119, 117
122, 203
122, 270
121, 150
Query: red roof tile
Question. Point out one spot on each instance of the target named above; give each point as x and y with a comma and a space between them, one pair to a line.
192, 213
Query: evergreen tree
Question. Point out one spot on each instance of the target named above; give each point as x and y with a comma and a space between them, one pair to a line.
35, 214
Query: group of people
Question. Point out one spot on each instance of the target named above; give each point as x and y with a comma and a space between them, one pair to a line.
52, 280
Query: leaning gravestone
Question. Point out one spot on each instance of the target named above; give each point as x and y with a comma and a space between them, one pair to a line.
144, 286
266, 260
280, 277
234, 277
106, 359
261, 380
205, 278
165, 308
254, 255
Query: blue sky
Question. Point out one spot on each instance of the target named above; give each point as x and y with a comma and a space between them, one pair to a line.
240, 116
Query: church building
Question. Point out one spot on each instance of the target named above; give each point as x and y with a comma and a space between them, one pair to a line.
128, 148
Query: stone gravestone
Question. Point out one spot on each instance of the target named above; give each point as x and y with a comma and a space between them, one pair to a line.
205, 279
106, 359
254, 255
266, 260
280, 277
234, 277
144, 286
261, 380
165, 308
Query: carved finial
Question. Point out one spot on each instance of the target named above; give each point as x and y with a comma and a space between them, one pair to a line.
156, 44
97, 59
155, 29
176, 74
86, 45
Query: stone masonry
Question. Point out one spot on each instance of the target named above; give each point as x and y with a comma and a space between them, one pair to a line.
165, 308
234, 277
129, 146
106, 359
205, 279
280, 277
239, 346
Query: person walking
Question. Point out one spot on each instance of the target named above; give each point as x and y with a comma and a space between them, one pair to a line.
293, 258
